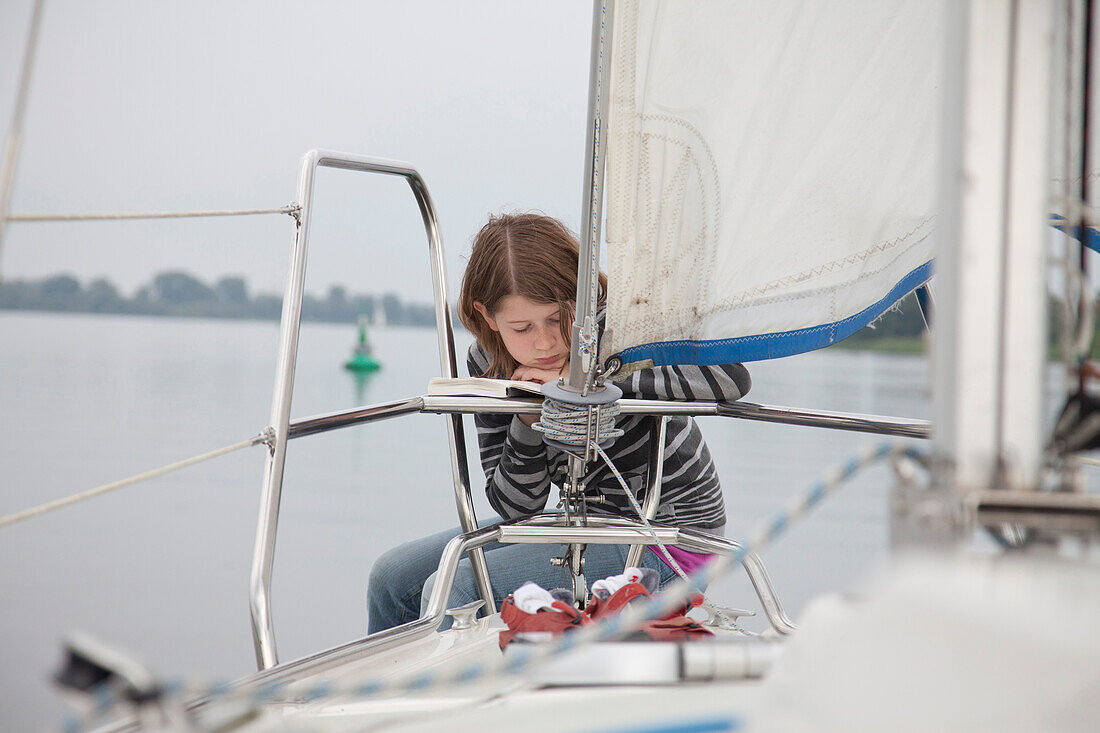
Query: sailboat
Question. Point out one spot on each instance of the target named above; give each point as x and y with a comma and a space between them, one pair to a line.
761, 197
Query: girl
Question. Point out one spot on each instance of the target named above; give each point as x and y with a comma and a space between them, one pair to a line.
518, 301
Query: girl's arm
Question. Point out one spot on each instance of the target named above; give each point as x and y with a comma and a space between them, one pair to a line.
517, 477
513, 456
689, 382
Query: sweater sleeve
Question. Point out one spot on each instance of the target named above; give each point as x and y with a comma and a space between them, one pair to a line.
719, 383
513, 457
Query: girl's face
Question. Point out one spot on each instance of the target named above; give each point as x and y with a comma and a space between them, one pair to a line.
530, 331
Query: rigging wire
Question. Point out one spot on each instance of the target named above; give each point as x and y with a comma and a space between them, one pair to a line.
289, 209
570, 424
99, 490
661, 545
15, 134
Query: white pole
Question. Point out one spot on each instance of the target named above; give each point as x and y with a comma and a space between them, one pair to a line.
990, 342
1025, 323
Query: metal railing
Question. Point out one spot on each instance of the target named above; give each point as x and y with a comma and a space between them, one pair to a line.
540, 528
263, 554
849, 421
282, 428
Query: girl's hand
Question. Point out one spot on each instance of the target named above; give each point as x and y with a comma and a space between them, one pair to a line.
539, 376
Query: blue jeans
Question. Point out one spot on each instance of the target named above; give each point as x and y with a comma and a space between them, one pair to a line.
402, 578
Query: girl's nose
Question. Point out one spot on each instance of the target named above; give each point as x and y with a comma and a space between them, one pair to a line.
544, 338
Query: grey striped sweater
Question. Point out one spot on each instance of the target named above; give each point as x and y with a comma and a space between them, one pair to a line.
519, 467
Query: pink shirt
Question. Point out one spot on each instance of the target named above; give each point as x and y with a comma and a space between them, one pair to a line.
689, 561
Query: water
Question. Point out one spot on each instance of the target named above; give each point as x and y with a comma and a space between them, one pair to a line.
161, 569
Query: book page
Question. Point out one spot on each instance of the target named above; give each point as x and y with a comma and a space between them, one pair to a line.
483, 387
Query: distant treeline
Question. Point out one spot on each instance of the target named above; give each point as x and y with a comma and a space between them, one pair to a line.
179, 293
902, 328
182, 294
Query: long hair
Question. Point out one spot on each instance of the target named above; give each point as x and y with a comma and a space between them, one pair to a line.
519, 254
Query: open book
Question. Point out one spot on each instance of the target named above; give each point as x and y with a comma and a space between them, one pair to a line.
483, 387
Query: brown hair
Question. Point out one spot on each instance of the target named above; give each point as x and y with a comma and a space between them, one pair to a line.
532, 255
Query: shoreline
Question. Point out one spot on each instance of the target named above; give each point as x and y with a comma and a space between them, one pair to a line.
885, 344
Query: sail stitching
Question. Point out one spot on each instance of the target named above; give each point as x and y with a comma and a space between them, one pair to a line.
789, 297
706, 147
827, 267
694, 251
663, 214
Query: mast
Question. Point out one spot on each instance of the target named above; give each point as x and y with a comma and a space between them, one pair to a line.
579, 388
989, 358
583, 351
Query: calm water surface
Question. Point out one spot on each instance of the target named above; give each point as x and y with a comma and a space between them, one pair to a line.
161, 569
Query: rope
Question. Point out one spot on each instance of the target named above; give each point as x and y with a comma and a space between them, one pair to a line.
641, 514
15, 134
568, 423
90, 493
730, 623
519, 659
289, 209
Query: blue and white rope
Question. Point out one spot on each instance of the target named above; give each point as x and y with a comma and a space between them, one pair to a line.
520, 659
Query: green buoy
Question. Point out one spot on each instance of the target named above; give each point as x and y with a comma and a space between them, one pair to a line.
361, 359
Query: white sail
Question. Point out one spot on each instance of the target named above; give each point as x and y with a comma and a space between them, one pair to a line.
771, 172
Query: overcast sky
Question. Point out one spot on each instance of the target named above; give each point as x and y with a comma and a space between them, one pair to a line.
156, 106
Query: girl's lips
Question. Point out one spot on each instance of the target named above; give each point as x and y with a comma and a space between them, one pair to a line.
551, 362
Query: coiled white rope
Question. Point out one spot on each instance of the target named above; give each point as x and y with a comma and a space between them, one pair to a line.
97, 491
568, 423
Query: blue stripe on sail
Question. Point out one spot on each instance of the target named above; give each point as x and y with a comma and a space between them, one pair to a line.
1092, 234
774, 345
